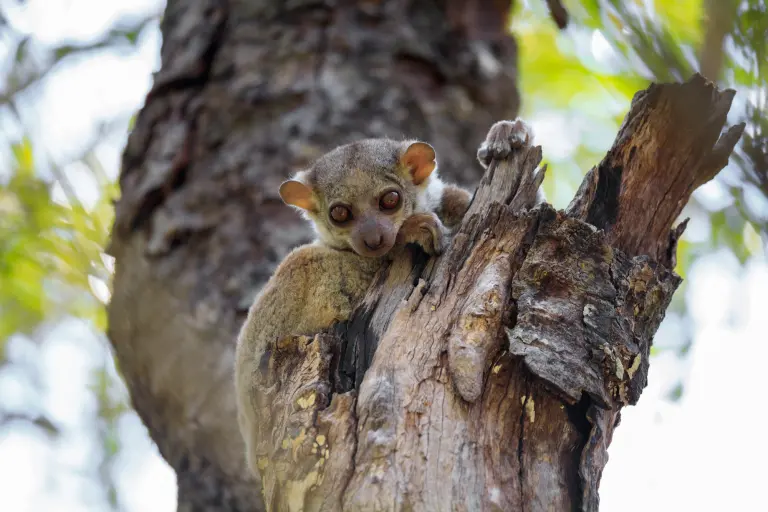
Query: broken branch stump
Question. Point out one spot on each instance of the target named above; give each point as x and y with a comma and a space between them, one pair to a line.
493, 377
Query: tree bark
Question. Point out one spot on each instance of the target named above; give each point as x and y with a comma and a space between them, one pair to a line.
248, 93
492, 383
499, 370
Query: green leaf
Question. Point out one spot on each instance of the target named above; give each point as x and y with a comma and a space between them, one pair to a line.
48, 251
727, 229
23, 157
62, 51
21, 49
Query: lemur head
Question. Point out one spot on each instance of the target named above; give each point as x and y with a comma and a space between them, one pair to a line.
358, 195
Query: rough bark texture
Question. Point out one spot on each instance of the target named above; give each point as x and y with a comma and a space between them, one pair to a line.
248, 92
499, 370
494, 382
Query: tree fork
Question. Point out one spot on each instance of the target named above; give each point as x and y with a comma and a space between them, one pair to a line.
492, 378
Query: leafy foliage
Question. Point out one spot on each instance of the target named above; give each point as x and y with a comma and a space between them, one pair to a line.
50, 253
52, 263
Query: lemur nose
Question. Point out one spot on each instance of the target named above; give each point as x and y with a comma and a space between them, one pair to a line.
373, 240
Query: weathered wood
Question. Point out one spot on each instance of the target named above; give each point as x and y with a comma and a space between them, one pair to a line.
667, 147
248, 93
505, 409
499, 370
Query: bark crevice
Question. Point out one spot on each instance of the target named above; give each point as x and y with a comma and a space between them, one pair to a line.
520, 447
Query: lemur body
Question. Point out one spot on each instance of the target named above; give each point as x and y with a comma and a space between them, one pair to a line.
363, 199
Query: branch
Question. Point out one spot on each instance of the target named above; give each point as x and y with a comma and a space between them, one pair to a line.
558, 12
668, 145
720, 16
114, 37
39, 421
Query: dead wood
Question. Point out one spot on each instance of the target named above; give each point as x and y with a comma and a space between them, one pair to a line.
493, 377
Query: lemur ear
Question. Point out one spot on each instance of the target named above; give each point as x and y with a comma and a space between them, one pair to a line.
298, 194
419, 161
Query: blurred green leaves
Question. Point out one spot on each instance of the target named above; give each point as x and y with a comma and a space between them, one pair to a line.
614, 48
50, 253
722, 38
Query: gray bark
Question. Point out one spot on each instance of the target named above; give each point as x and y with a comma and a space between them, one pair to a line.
249, 92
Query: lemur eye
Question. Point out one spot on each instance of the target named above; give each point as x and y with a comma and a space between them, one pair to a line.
340, 214
389, 201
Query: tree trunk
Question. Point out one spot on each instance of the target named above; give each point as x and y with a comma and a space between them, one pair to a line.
248, 92
499, 370
489, 379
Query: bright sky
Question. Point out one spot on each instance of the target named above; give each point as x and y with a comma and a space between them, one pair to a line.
703, 452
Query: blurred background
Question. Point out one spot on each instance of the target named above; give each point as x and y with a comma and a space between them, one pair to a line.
73, 73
